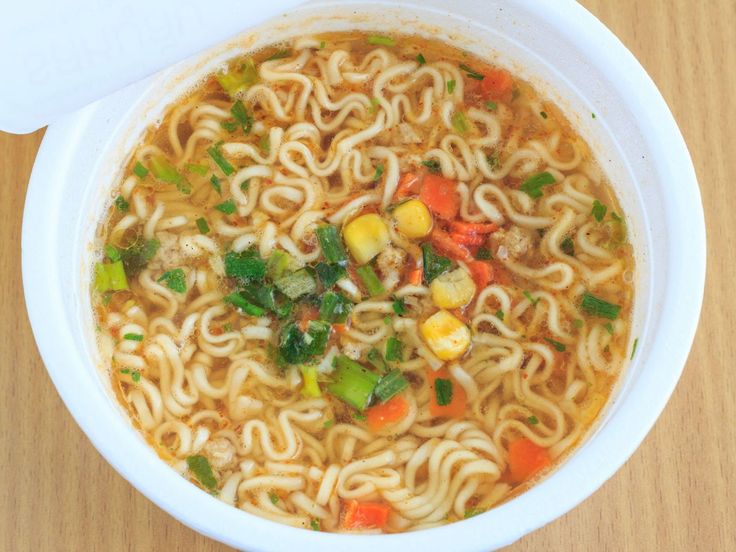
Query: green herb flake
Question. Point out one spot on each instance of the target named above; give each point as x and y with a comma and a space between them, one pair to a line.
387, 320
532, 186
533, 420
420, 59
216, 155
328, 424
315, 525
379, 172
568, 247
227, 327
472, 512
229, 125
472, 74
491, 106
399, 306
615, 216
378, 40
242, 116
121, 204
227, 207
140, 171
608, 327
265, 143
578, 323
133, 337
493, 161
125, 370
202, 225
484, 254
175, 280
195, 168
359, 416
532, 300
543, 114
450, 86
598, 211
460, 122
112, 253
593, 115
135, 375
443, 391
215, 183
432, 165
596, 306
322, 45
633, 349
273, 497
280, 54
500, 315
202, 471
559, 347
394, 350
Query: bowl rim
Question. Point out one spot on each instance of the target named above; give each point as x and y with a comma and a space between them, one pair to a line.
636, 415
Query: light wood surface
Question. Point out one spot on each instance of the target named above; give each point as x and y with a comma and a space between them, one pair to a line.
678, 491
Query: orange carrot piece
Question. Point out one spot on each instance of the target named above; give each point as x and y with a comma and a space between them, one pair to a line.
408, 186
496, 83
415, 276
467, 239
482, 274
365, 515
440, 196
526, 459
445, 245
472, 228
340, 329
456, 408
390, 412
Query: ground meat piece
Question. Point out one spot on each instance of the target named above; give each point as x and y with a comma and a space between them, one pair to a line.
352, 349
512, 242
221, 453
390, 262
171, 253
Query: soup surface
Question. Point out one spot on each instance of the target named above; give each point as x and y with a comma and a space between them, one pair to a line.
363, 283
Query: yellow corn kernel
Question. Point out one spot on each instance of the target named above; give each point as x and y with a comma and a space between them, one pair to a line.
366, 236
413, 219
452, 289
447, 336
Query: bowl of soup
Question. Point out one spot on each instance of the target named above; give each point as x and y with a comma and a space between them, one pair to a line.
371, 275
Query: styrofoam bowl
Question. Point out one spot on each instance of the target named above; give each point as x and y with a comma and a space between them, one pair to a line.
573, 60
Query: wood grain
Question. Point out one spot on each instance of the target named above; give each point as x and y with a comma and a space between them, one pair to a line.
678, 491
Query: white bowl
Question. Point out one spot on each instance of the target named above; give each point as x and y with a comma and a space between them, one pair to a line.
570, 57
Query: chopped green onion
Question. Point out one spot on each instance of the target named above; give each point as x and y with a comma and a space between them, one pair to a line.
471, 73
394, 349
370, 280
472, 512
296, 284
246, 266
578, 323
133, 337
335, 308
296, 347
322, 45
609, 327
228, 327
633, 349
420, 59
443, 391
375, 102
532, 299
568, 247
215, 183
112, 253
202, 225
560, 347
390, 385
139, 170
277, 264
593, 115
245, 185
238, 80
352, 383
329, 274
280, 54
241, 115
121, 204
492, 106
596, 306
532, 186
378, 173
202, 471
450, 86
201, 170
493, 161
216, 155
433, 265
229, 125
399, 306
273, 497
175, 280
311, 387
616, 217
135, 375
387, 320
136, 256
227, 207
598, 211
500, 315
483, 254
376, 359
460, 122
533, 420
543, 114
265, 143
315, 525
328, 424
239, 302
331, 244
110, 276
432, 165
377, 40
166, 172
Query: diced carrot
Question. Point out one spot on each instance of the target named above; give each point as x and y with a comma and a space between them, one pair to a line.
472, 228
496, 83
456, 407
526, 458
390, 412
408, 185
440, 195
445, 245
467, 239
415, 276
365, 515
482, 274
216, 331
340, 329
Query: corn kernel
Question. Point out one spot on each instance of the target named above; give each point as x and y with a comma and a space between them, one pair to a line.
366, 236
413, 219
452, 289
447, 336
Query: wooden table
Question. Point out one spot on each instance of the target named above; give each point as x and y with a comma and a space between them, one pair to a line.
678, 491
